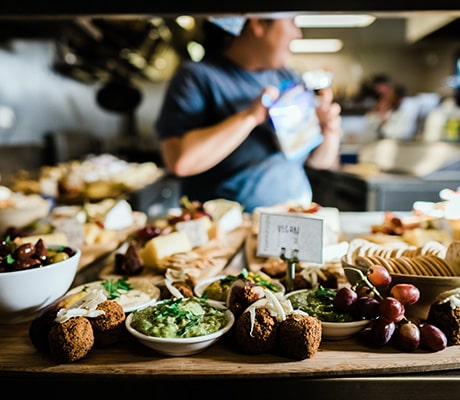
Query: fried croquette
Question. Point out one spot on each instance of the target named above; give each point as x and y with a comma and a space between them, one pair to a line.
242, 294
108, 326
71, 340
299, 336
258, 335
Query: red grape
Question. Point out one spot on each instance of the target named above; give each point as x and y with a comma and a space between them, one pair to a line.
406, 293
379, 276
408, 337
344, 299
367, 307
381, 332
432, 338
391, 309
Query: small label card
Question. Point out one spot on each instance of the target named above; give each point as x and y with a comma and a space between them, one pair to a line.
293, 232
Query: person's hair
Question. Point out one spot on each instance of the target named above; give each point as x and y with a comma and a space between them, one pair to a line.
215, 39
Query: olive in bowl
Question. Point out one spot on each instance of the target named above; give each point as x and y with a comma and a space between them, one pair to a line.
33, 276
180, 326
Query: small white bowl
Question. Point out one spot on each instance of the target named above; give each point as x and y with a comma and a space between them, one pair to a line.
336, 330
201, 286
182, 346
24, 293
342, 330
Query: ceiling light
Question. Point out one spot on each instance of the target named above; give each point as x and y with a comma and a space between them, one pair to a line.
186, 22
334, 21
316, 45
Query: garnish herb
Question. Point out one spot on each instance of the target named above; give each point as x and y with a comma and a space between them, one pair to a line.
113, 287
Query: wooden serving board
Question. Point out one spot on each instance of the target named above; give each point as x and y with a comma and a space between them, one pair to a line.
222, 360
221, 250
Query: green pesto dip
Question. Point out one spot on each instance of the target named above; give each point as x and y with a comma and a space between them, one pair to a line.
318, 303
179, 318
218, 290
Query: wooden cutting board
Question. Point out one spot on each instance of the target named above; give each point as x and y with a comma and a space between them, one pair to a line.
221, 250
130, 358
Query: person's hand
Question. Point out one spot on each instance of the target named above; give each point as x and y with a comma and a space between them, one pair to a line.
259, 108
328, 113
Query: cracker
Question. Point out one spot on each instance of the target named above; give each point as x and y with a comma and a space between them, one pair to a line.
452, 257
398, 266
428, 268
385, 262
441, 265
407, 262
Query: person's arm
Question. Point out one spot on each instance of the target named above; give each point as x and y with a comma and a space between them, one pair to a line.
202, 148
326, 154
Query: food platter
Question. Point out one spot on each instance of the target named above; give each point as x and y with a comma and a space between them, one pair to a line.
96, 251
216, 253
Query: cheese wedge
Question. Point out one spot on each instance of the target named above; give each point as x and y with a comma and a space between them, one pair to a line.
227, 215
163, 246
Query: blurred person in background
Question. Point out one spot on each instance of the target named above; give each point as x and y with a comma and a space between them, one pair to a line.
394, 115
214, 128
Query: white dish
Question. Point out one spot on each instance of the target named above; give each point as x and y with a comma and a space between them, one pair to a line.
142, 294
26, 210
201, 286
337, 330
342, 330
24, 293
182, 346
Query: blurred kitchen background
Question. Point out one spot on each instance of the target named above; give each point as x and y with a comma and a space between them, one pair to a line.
69, 87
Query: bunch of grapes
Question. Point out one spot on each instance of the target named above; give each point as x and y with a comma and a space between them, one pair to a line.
387, 313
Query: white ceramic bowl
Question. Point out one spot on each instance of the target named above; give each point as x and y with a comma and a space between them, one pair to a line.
201, 286
182, 346
342, 330
336, 330
24, 293
27, 209
429, 286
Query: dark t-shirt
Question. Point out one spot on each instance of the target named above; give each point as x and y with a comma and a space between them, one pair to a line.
202, 94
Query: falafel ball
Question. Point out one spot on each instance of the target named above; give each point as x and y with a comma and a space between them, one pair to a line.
299, 335
446, 318
71, 340
242, 294
108, 326
256, 333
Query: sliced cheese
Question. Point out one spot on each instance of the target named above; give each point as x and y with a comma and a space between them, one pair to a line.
163, 246
196, 230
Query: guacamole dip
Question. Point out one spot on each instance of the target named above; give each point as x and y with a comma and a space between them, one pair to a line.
179, 318
318, 303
